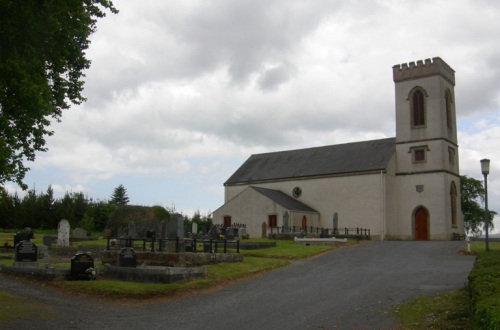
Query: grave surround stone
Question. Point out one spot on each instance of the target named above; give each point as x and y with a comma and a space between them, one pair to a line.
26, 251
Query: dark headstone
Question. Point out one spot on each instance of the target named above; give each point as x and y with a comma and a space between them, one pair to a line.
82, 267
47, 240
127, 258
21, 236
26, 251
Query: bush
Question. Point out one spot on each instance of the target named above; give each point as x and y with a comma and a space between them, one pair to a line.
484, 285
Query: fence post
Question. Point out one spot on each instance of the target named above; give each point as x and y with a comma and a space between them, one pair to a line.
238, 246
225, 245
215, 247
107, 246
153, 244
177, 244
194, 245
143, 244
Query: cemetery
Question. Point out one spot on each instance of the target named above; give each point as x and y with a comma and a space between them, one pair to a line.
167, 257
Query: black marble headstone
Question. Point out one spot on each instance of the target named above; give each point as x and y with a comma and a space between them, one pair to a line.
26, 251
127, 257
21, 236
82, 267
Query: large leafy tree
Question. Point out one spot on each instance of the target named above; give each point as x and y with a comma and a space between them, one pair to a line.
472, 193
42, 63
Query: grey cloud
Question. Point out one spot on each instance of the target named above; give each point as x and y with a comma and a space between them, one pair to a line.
272, 78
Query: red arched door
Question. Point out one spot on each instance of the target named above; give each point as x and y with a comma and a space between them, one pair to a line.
304, 223
421, 225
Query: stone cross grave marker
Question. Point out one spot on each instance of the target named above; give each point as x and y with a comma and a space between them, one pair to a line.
82, 267
127, 257
63, 233
26, 251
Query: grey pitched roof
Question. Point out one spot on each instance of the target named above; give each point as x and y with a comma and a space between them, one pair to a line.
284, 200
319, 161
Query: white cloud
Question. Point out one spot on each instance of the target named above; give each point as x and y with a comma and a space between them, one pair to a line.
189, 89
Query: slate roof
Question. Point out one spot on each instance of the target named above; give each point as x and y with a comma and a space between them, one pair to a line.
319, 161
284, 200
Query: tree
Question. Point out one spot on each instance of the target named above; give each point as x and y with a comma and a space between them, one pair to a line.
119, 196
42, 59
472, 191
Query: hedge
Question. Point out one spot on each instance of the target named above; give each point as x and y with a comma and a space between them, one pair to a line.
484, 286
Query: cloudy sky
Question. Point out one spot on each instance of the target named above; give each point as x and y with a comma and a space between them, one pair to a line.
180, 93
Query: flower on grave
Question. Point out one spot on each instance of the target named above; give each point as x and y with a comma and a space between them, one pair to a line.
90, 273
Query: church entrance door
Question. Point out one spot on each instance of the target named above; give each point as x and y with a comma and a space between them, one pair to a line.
421, 225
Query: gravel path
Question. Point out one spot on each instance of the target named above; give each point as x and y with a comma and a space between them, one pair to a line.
349, 288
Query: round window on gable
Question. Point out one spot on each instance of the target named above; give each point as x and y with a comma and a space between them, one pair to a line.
297, 192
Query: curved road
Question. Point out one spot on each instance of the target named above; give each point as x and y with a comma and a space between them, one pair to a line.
349, 288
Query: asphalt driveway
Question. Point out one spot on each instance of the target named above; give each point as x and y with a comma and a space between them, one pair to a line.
349, 288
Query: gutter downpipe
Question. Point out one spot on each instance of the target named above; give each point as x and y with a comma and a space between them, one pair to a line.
382, 210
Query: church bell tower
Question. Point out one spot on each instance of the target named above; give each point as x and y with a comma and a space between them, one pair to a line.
427, 169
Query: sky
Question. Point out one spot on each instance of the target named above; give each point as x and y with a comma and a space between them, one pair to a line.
181, 93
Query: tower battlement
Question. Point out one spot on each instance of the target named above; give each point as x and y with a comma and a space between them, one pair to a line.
412, 70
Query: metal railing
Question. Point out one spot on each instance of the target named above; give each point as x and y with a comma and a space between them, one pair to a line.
348, 232
190, 245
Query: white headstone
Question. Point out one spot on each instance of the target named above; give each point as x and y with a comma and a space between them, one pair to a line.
195, 228
63, 233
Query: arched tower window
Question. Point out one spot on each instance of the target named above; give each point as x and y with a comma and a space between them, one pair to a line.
417, 107
453, 197
448, 101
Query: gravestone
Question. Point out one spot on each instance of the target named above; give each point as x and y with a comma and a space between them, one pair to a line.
242, 232
47, 240
79, 233
21, 236
195, 228
264, 229
63, 233
127, 257
107, 232
229, 233
82, 267
335, 223
26, 251
286, 218
175, 226
163, 229
131, 229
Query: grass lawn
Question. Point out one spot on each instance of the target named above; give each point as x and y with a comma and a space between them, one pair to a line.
447, 310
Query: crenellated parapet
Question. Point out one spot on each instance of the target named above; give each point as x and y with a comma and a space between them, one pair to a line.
412, 70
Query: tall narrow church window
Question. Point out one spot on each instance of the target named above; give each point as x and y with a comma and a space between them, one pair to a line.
272, 221
227, 221
447, 99
453, 197
418, 109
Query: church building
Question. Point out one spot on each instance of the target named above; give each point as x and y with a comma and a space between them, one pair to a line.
402, 188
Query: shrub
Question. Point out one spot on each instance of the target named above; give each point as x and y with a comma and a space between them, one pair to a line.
484, 285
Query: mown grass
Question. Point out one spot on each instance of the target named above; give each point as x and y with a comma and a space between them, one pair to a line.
452, 309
